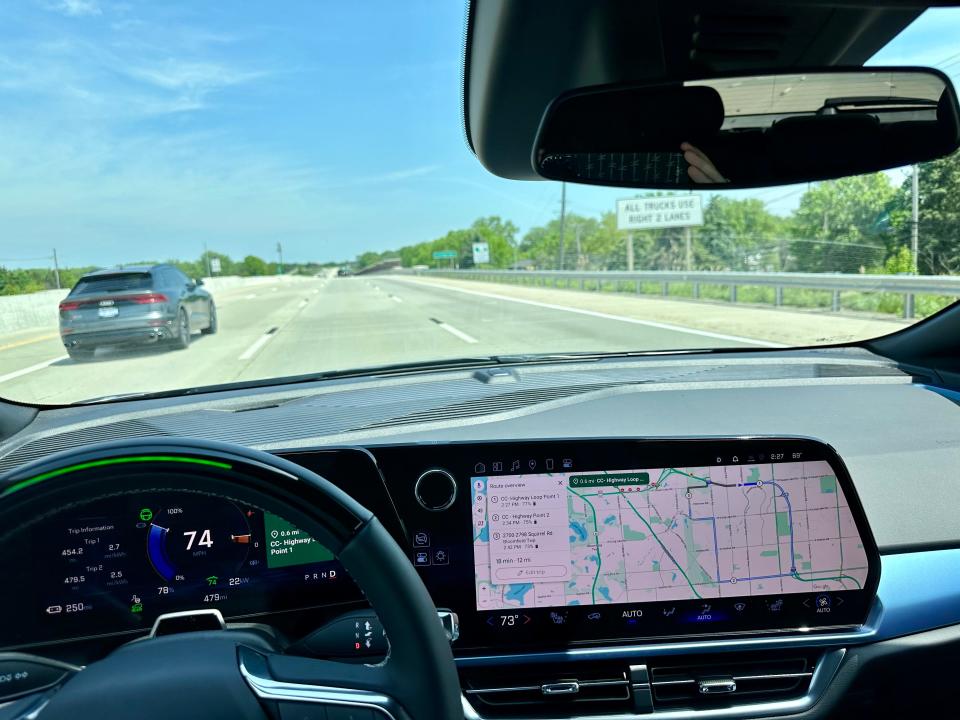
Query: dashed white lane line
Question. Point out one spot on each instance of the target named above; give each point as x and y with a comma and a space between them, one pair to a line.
259, 343
396, 299
251, 296
604, 316
316, 291
454, 331
33, 368
304, 303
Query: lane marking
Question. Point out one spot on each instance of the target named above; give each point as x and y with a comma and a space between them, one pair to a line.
28, 341
251, 296
608, 316
260, 342
317, 291
454, 331
32, 368
304, 302
396, 299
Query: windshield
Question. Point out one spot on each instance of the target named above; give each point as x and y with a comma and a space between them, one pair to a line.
280, 194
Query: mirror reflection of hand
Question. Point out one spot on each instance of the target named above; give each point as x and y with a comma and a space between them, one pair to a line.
701, 170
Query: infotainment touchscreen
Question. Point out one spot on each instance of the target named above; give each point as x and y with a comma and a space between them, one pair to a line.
585, 537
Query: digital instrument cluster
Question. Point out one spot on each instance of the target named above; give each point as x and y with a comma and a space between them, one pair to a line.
116, 564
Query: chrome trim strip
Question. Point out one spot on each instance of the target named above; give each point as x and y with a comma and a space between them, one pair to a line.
823, 675
529, 688
253, 668
774, 676
603, 683
187, 613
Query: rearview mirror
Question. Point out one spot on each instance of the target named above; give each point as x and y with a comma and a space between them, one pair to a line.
749, 131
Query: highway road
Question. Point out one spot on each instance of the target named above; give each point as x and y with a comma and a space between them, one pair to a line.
292, 327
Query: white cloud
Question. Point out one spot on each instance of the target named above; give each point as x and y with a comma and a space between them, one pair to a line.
77, 8
184, 75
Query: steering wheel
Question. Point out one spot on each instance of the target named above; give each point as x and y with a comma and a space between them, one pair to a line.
238, 674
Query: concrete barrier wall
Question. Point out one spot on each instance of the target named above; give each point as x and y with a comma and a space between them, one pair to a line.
38, 311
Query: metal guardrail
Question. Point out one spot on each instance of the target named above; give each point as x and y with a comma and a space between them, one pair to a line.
907, 285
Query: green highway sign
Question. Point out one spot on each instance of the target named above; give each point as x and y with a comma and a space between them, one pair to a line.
609, 479
444, 254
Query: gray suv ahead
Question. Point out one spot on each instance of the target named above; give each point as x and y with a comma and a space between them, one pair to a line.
135, 304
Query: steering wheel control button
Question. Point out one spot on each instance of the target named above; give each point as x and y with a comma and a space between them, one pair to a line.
435, 490
21, 677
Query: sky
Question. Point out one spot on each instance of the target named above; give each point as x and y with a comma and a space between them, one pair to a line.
144, 130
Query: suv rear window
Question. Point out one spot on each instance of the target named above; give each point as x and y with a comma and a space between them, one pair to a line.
121, 282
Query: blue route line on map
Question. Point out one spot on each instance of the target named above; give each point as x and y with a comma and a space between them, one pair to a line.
716, 545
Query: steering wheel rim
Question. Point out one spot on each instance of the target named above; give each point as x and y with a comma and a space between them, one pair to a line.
418, 678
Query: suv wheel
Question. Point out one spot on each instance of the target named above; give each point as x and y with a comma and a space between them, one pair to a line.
182, 340
212, 327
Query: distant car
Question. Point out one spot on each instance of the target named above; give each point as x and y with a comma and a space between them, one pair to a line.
131, 305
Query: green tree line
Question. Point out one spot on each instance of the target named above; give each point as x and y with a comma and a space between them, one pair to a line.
852, 225
27, 280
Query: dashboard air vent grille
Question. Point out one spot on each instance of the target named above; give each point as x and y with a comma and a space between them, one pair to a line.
501, 402
577, 689
718, 682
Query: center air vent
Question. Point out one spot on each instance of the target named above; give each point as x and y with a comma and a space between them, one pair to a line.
576, 689
680, 683
701, 683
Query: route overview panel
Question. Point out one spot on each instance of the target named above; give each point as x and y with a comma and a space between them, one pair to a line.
655, 534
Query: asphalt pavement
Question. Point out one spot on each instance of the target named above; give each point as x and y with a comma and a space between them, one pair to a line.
292, 328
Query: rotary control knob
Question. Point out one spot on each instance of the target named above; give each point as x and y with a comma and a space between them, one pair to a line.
435, 490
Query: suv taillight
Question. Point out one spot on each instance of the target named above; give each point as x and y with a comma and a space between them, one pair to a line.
69, 305
149, 298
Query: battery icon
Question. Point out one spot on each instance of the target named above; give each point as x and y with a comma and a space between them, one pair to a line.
54, 610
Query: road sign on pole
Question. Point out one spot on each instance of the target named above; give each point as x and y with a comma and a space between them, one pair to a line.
481, 253
659, 212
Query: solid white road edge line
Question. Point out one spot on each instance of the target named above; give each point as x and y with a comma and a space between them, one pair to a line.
32, 368
605, 316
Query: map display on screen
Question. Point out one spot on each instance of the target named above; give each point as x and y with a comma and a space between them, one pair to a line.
655, 534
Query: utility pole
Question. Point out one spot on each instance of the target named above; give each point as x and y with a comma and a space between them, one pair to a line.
688, 243
56, 268
630, 252
206, 258
579, 250
915, 219
280, 256
563, 218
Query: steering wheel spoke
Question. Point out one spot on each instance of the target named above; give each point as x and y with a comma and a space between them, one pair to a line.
346, 691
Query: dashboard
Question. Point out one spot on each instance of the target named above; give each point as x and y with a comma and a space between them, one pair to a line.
535, 545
